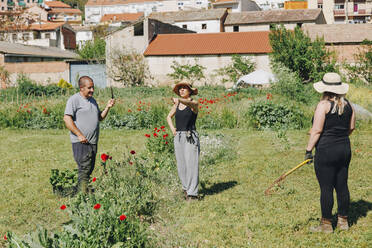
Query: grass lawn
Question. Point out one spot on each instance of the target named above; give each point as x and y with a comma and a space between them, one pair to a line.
234, 211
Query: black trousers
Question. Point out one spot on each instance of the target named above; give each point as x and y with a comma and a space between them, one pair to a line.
331, 168
85, 157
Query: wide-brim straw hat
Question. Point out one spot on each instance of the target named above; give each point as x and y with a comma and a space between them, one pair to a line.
194, 91
331, 83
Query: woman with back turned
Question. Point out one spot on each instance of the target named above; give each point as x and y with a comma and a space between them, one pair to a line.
186, 139
334, 121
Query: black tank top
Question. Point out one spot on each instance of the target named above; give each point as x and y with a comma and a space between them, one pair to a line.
336, 127
185, 119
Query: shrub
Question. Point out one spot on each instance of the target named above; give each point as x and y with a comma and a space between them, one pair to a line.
27, 87
64, 84
268, 115
295, 50
93, 50
239, 67
128, 67
187, 71
290, 85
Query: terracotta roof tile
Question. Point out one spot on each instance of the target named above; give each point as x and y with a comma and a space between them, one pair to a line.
115, 2
45, 26
339, 33
56, 4
273, 16
130, 17
210, 43
65, 10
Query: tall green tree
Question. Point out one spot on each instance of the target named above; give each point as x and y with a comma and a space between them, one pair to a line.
93, 50
295, 50
362, 68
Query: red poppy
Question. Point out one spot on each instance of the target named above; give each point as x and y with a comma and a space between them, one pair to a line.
155, 135
104, 157
122, 217
166, 142
130, 162
45, 111
162, 127
5, 238
129, 110
148, 135
139, 109
207, 107
97, 206
132, 152
155, 128
165, 136
28, 111
94, 179
63, 207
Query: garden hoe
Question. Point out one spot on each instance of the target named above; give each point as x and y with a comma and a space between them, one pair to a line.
281, 178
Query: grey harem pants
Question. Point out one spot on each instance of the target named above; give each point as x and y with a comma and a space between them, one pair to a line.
187, 156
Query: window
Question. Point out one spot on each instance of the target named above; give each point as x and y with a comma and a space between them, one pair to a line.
14, 37
339, 6
138, 29
26, 36
320, 6
47, 35
299, 24
184, 26
2, 8
236, 28
204, 26
28, 1
198, 2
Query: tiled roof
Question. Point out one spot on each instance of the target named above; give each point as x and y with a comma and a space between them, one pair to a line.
130, 17
19, 49
56, 4
273, 16
115, 2
339, 33
210, 44
224, 2
65, 10
191, 15
45, 26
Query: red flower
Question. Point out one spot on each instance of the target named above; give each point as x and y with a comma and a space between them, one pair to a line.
166, 142
129, 110
94, 179
162, 127
122, 217
207, 107
132, 152
269, 96
97, 206
63, 207
5, 238
104, 157
155, 128
45, 111
28, 111
158, 130
139, 109
148, 135
165, 135
130, 162
155, 135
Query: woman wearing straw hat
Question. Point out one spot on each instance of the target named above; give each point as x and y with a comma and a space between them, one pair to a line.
186, 139
334, 121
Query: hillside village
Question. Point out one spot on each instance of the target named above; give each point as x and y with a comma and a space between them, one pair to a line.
41, 38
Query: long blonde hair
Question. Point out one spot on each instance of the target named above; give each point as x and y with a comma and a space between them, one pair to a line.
339, 100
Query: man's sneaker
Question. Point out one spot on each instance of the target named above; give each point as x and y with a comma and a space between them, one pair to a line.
342, 223
325, 226
192, 198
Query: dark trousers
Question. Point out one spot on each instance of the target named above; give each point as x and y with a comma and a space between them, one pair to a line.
331, 168
85, 157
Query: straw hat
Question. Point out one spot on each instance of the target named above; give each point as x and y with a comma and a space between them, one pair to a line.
194, 91
331, 83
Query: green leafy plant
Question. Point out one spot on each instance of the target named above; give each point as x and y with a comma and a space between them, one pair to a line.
93, 50
239, 67
187, 72
63, 182
269, 115
296, 51
28, 87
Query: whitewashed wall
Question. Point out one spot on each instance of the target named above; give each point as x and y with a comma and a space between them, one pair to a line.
160, 66
213, 26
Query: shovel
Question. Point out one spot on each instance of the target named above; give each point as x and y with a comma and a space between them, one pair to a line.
281, 178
